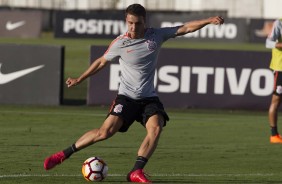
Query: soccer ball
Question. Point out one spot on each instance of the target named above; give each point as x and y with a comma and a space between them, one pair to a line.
94, 169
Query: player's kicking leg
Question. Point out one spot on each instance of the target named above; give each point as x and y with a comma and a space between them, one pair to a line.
154, 127
273, 118
110, 126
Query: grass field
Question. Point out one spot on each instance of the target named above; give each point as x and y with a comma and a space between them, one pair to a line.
197, 146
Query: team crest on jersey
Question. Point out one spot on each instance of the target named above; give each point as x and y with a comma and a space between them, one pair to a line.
279, 90
126, 42
151, 45
118, 108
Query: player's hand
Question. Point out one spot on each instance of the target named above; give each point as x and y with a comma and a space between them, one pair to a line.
72, 82
217, 20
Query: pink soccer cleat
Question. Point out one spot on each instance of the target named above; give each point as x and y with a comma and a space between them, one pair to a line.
137, 176
54, 160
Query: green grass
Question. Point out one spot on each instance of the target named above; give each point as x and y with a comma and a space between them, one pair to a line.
77, 54
197, 146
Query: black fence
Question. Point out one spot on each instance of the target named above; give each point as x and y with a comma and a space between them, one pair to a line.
110, 24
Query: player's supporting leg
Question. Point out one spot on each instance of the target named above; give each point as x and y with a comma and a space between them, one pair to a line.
273, 118
154, 127
110, 126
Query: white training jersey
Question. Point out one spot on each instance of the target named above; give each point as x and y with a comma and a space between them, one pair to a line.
138, 59
275, 34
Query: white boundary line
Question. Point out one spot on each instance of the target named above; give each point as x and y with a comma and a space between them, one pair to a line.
122, 175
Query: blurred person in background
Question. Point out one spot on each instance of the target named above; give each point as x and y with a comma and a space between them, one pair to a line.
274, 42
137, 51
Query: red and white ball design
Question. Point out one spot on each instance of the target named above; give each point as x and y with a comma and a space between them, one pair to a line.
94, 169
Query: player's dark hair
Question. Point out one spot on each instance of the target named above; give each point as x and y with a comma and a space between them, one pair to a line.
137, 10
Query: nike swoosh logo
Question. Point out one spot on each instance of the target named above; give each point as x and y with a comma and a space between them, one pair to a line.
11, 26
6, 78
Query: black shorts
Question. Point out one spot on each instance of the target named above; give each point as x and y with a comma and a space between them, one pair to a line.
277, 88
131, 110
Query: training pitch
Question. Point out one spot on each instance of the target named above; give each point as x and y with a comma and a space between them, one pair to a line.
197, 146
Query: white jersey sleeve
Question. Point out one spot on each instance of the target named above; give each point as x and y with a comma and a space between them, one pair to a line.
113, 52
168, 32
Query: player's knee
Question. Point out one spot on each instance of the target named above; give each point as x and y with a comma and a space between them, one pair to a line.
104, 134
155, 131
273, 108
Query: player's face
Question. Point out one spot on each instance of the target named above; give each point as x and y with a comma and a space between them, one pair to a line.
136, 26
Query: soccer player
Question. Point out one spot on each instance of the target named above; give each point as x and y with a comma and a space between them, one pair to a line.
274, 41
137, 51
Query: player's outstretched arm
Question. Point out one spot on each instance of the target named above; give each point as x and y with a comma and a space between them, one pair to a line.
96, 66
195, 25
